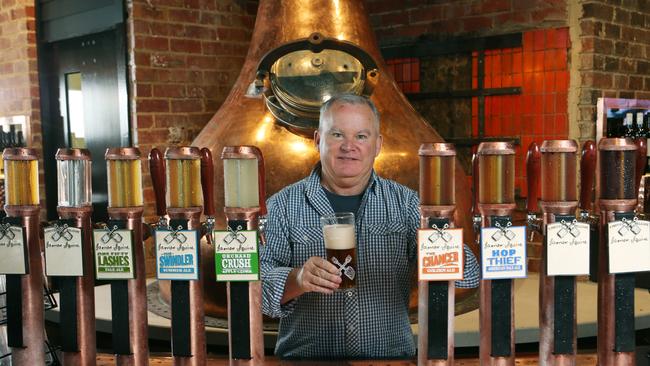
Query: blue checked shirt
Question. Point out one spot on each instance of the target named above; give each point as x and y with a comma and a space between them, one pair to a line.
369, 321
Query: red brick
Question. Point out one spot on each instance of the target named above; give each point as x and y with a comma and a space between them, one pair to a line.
144, 121
475, 24
154, 136
184, 16
143, 90
511, 18
170, 120
186, 46
495, 6
156, 43
425, 14
168, 91
186, 105
152, 105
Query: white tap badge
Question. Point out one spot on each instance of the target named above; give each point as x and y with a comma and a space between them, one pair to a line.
63, 254
629, 246
113, 254
13, 254
236, 256
567, 248
440, 254
177, 254
503, 252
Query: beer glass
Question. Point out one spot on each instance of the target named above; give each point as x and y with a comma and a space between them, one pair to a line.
340, 244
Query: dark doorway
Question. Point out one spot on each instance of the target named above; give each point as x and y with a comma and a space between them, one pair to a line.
85, 105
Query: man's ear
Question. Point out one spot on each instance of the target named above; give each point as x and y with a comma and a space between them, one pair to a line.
317, 139
379, 142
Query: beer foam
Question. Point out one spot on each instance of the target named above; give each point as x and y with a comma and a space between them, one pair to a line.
339, 236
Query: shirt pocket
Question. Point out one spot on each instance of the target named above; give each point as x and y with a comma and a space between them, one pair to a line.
306, 241
386, 247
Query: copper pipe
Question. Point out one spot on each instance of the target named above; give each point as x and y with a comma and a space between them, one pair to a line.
617, 163
559, 197
495, 198
437, 199
85, 284
33, 352
197, 312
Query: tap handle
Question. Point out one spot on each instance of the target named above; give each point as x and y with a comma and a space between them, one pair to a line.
157, 170
533, 175
587, 174
642, 149
475, 182
207, 181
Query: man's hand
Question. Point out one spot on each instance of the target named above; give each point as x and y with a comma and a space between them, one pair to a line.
318, 275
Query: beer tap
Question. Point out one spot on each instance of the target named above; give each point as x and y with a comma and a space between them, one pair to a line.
244, 198
207, 184
178, 244
20, 259
533, 170
125, 229
503, 252
69, 256
157, 171
586, 212
617, 200
557, 282
587, 176
436, 296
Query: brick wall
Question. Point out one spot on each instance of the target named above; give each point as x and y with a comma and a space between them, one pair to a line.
615, 55
185, 57
394, 21
19, 88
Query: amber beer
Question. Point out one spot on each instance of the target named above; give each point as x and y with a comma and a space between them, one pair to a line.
340, 245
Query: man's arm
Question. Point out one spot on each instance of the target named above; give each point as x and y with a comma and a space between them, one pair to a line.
282, 283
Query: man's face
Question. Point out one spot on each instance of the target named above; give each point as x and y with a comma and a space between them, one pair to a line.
349, 142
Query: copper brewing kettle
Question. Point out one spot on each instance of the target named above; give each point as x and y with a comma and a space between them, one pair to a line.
290, 155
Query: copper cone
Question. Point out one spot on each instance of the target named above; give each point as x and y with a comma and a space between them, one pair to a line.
289, 157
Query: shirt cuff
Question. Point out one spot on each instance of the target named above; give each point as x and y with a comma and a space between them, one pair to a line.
272, 291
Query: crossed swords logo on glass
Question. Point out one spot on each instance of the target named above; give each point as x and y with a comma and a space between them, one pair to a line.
568, 228
629, 226
6, 232
344, 267
440, 233
503, 231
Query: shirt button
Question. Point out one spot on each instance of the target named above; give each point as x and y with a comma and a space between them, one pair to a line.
304, 237
350, 294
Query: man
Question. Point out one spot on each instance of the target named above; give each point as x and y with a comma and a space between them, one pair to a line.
299, 285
